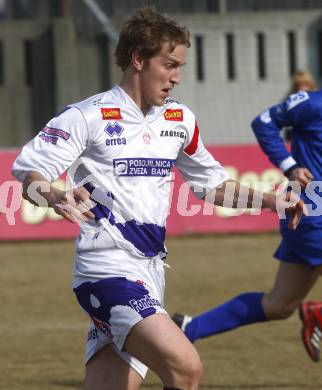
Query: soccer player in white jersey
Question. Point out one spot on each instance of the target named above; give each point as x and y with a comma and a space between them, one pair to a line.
120, 147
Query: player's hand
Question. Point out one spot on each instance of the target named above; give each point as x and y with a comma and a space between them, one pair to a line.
302, 175
74, 205
290, 203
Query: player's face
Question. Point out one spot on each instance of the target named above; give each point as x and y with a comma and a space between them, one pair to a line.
160, 74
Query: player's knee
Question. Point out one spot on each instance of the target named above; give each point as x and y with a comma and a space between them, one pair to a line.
189, 372
285, 312
194, 371
281, 311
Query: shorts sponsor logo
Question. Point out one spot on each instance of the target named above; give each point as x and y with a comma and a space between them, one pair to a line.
114, 129
111, 113
172, 133
137, 166
173, 115
104, 327
144, 303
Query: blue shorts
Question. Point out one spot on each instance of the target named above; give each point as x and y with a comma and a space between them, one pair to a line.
303, 245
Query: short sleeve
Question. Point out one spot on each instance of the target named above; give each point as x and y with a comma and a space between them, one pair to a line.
196, 164
55, 148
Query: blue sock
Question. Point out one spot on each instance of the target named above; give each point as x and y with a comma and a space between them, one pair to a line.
242, 310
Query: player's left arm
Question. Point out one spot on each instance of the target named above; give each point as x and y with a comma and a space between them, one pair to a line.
233, 194
210, 181
267, 127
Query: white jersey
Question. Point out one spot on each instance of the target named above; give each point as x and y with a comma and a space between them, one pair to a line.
125, 160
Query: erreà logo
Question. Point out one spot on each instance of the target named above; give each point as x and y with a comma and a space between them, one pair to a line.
111, 113
113, 129
173, 115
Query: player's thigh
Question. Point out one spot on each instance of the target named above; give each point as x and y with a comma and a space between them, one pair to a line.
158, 342
292, 283
319, 270
107, 371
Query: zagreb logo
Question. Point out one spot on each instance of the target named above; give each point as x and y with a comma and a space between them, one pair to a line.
114, 129
173, 115
146, 138
111, 113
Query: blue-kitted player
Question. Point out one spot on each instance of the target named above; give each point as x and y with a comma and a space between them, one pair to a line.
300, 251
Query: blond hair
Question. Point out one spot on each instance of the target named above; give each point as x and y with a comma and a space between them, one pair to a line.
146, 31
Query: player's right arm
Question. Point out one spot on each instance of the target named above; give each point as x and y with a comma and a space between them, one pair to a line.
73, 205
267, 127
46, 157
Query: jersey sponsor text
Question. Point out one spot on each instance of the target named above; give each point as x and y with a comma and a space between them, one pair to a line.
111, 113
172, 133
137, 166
173, 115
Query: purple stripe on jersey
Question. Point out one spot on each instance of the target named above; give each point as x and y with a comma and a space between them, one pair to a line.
148, 238
113, 292
48, 138
57, 132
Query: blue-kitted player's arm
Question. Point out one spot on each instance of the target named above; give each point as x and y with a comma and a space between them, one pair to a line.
267, 127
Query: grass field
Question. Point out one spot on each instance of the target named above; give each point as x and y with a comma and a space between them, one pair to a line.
43, 330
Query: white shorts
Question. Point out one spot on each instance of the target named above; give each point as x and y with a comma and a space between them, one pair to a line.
97, 339
116, 304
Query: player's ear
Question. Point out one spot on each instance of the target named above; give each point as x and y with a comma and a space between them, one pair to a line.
137, 60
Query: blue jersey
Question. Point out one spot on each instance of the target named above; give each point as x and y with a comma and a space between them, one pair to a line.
303, 112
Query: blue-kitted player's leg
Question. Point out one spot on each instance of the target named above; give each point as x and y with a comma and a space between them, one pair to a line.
242, 310
292, 284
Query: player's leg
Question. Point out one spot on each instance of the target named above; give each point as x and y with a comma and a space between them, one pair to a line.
106, 370
244, 309
130, 313
157, 342
293, 282
319, 270
311, 332
300, 256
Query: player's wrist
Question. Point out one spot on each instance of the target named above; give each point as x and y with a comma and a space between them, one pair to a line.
290, 170
55, 196
269, 201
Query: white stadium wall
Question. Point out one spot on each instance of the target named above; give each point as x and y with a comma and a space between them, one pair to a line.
68, 63
226, 107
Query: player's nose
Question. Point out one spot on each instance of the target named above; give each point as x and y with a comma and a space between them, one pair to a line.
175, 77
